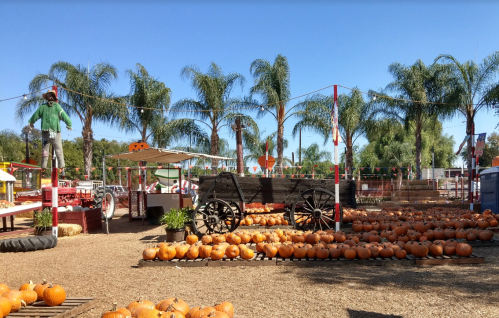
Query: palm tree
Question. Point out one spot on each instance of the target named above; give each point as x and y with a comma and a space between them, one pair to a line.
151, 100
473, 89
312, 156
272, 84
92, 82
214, 107
398, 154
355, 116
257, 147
425, 85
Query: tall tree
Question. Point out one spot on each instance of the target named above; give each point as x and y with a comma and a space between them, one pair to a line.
312, 156
94, 82
214, 107
490, 151
419, 88
271, 82
354, 118
474, 89
257, 147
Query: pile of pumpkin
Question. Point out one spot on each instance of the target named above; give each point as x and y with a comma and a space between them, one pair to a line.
169, 308
13, 300
298, 244
412, 225
264, 220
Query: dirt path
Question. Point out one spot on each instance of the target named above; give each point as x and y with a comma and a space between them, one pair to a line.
104, 267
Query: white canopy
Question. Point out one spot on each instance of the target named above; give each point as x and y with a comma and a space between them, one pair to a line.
162, 155
5, 176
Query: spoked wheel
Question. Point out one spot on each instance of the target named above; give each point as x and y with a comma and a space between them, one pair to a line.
214, 216
239, 215
314, 210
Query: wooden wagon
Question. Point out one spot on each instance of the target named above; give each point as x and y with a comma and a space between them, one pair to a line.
307, 203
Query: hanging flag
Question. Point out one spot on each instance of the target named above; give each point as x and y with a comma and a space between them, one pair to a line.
206, 167
299, 167
330, 168
362, 168
190, 167
77, 168
346, 168
223, 167
159, 167
377, 169
393, 169
480, 145
286, 167
292, 176
110, 168
302, 175
126, 168
254, 169
273, 176
462, 144
93, 168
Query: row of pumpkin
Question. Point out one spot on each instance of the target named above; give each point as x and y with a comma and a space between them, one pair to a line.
12, 301
169, 308
350, 249
263, 220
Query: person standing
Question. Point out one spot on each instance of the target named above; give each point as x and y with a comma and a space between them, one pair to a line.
51, 113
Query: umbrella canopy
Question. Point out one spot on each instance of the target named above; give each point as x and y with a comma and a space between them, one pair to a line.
162, 155
4, 176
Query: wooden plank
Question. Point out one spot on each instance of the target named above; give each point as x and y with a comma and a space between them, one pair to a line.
174, 262
70, 308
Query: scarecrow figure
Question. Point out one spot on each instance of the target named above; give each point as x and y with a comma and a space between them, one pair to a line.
51, 113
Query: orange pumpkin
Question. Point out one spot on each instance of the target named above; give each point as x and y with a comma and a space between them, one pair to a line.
173, 303
205, 251
40, 288
225, 307
29, 296
15, 299
54, 295
135, 306
113, 313
247, 253
27, 286
3, 289
149, 254
5, 306
166, 252
216, 314
191, 239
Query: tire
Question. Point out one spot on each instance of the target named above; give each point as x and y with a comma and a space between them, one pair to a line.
111, 205
28, 244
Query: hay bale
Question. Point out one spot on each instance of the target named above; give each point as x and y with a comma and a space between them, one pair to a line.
69, 229
28, 215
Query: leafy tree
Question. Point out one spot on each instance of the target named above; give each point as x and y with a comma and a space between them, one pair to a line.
214, 107
490, 151
271, 82
424, 87
258, 148
474, 88
92, 82
11, 146
312, 156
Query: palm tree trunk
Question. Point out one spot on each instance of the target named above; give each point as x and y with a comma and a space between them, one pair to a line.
280, 138
419, 128
349, 157
87, 145
214, 150
469, 131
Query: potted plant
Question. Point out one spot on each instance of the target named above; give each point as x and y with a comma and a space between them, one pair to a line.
43, 222
174, 222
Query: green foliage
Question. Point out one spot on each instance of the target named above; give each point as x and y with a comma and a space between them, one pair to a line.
490, 151
176, 218
43, 220
11, 146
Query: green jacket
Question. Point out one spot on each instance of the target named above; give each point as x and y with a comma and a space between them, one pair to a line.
51, 115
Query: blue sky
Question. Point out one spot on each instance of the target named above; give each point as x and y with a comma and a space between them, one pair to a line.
347, 43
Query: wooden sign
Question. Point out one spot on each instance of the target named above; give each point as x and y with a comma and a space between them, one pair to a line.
271, 162
136, 146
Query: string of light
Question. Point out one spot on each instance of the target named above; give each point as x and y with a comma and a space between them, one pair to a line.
25, 96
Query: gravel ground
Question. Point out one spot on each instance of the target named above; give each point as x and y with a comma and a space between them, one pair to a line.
105, 267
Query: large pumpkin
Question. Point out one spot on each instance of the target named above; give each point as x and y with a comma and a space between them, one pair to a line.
5, 306
225, 307
464, 249
54, 295
175, 303
15, 299
114, 313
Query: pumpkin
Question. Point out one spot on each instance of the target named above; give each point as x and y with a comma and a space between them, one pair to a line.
247, 253
191, 239
312, 238
436, 249
322, 253
3, 289
401, 254
350, 254
471, 237
150, 313
27, 286
207, 239
300, 252
5, 306
175, 303
15, 299
270, 250
216, 314
374, 251
386, 252
486, 235
29, 296
449, 250
205, 251
114, 313
217, 253
40, 288
419, 250
464, 249
166, 252
286, 251
199, 312
124, 311
363, 253
225, 307
54, 295
181, 250
149, 254
192, 252
311, 252
257, 238
219, 239
135, 306
232, 251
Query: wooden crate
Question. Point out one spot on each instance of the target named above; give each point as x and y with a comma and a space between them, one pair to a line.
89, 220
72, 307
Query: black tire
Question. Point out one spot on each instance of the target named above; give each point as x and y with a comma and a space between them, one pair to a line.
28, 244
99, 195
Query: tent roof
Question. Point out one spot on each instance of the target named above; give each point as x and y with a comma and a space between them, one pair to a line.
162, 155
5, 176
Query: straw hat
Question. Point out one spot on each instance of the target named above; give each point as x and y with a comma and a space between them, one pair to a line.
45, 96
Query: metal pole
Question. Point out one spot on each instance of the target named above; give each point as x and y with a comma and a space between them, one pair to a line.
239, 148
55, 188
266, 159
336, 169
189, 170
472, 188
299, 151
104, 186
477, 176
433, 163
119, 171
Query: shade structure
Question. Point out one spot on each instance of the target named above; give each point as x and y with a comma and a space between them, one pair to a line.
4, 176
163, 155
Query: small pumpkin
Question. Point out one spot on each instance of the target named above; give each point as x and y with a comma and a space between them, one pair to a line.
270, 250
199, 312
5, 306
191, 239
113, 313
217, 253
286, 251
401, 254
206, 239
3, 289
27, 286
350, 254
40, 288
216, 314
192, 252
205, 251
135, 306
232, 251
464, 249
29, 296
15, 299
247, 253
225, 307
149, 254
436, 249
54, 295
166, 252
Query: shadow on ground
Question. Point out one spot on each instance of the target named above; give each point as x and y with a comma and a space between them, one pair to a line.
367, 314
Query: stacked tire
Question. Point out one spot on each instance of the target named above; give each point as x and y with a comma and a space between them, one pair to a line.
28, 244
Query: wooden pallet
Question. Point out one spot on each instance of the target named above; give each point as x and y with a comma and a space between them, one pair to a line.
260, 259
72, 307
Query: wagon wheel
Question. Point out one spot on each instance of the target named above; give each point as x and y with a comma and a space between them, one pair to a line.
314, 210
239, 215
214, 216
